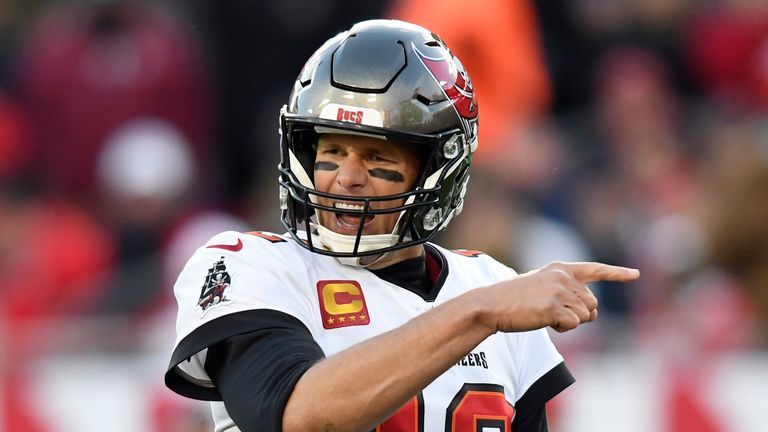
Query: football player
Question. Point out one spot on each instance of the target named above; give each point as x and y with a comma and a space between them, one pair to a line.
353, 320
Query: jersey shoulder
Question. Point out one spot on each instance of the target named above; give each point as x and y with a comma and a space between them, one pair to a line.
249, 242
236, 271
475, 261
264, 249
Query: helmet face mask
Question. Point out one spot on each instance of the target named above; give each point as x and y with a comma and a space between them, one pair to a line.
393, 81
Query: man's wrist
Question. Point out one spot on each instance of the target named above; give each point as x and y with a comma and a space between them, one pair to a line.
481, 308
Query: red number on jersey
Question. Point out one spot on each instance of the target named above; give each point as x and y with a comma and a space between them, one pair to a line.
410, 418
475, 407
274, 238
479, 407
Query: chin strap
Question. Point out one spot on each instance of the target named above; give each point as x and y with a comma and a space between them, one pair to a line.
336, 242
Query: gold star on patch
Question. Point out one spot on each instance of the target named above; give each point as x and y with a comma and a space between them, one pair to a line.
330, 320
362, 317
342, 318
352, 317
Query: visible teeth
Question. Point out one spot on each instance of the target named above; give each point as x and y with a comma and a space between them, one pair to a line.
346, 206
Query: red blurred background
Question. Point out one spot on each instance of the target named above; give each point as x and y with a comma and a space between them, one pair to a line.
630, 132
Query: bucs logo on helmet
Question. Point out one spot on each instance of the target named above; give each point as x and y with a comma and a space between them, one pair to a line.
454, 80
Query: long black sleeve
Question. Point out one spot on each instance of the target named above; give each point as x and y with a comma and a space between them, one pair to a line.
255, 372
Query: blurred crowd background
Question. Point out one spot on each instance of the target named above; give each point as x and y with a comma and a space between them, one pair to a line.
633, 132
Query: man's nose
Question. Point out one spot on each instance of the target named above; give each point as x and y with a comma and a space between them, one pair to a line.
352, 173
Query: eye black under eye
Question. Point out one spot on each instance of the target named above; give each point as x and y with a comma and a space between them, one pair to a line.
326, 166
389, 175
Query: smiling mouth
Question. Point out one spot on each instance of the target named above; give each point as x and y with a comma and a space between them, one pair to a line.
350, 220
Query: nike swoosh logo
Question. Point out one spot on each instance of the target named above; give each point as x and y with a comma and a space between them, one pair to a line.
234, 248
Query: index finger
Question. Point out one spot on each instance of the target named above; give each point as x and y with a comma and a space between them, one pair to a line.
587, 272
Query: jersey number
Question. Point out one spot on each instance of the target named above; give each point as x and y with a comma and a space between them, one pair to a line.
476, 407
274, 238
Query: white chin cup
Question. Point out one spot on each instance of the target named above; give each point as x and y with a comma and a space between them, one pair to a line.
336, 242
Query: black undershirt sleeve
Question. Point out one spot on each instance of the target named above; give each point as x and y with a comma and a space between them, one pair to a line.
535, 420
256, 372
531, 413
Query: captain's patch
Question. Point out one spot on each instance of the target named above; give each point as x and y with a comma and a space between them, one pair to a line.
342, 304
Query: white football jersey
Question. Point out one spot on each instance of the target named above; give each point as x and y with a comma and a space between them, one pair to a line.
342, 306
